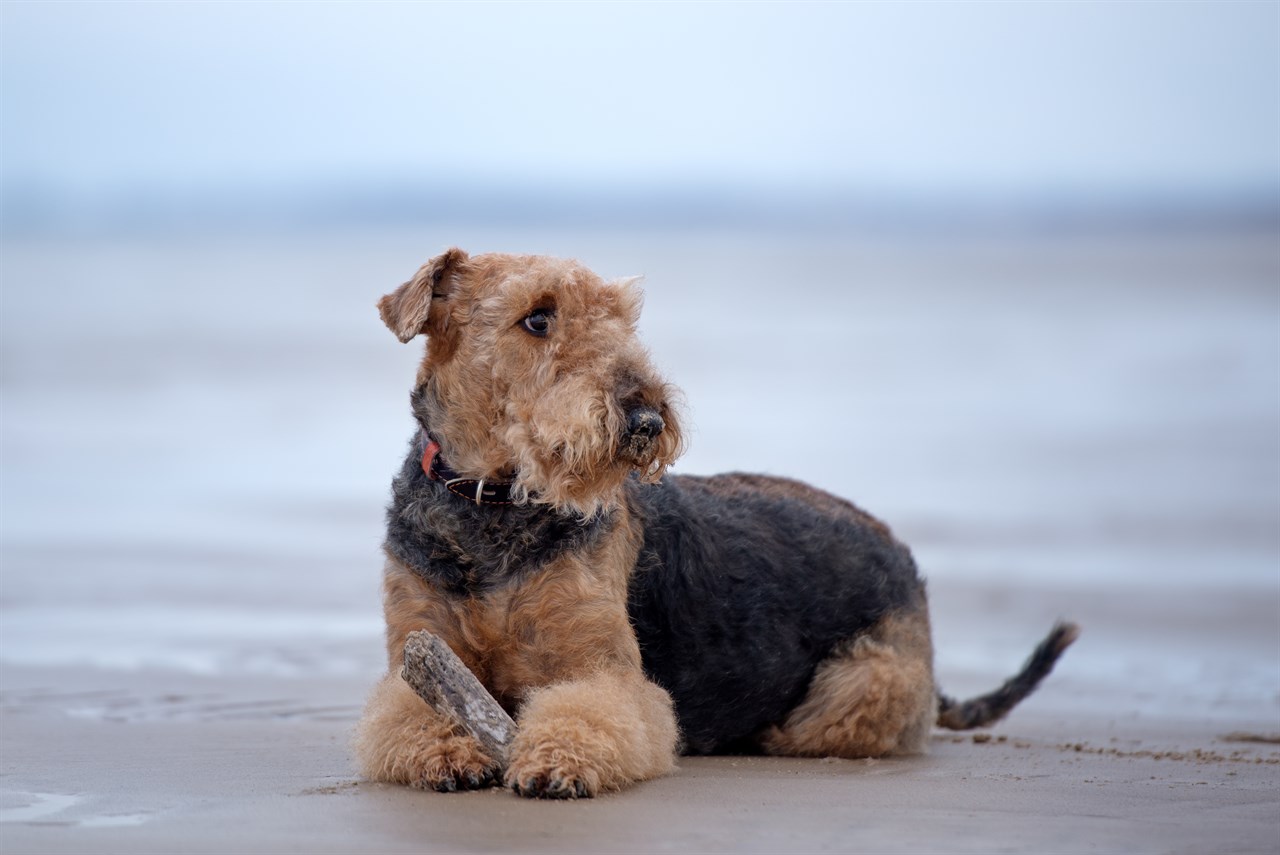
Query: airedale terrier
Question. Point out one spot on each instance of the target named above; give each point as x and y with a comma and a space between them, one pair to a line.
622, 614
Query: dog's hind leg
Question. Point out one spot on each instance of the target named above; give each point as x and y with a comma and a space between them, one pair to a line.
871, 698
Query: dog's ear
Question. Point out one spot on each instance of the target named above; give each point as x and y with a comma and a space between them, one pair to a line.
408, 311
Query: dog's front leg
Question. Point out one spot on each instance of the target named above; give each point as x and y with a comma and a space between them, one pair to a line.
401, 740
598, 732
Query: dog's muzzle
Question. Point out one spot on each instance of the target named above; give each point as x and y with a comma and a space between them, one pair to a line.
644, 424
638, 446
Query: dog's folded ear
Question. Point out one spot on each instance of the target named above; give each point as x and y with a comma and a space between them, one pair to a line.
417, 305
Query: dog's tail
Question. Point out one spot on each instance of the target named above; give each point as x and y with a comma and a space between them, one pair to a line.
989, 708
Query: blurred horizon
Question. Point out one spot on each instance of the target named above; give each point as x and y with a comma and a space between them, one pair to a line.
32, 213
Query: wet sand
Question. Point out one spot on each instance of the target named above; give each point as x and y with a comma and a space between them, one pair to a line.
103, 761
158, 763
195, 470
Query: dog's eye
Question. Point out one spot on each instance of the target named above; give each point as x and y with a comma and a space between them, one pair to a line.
537, 322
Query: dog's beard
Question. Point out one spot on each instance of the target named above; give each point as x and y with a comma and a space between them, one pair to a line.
578, 478
586, 476
637, 452
648, 457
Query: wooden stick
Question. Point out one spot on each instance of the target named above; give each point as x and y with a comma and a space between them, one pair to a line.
447, 685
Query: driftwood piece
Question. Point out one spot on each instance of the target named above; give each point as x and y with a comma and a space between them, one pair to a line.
436, 673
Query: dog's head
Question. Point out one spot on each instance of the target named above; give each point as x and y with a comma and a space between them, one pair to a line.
533, 373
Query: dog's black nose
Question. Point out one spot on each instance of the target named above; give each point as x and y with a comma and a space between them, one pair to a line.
644, 422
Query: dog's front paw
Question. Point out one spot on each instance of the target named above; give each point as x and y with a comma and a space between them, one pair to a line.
453, 764
451, 781
551, 772
556, 759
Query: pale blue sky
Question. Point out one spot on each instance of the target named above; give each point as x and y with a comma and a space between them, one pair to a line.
910, 98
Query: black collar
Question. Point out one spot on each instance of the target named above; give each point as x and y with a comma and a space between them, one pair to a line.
478, 490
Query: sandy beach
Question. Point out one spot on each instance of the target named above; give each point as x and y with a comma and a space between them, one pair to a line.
158, 763
195, 469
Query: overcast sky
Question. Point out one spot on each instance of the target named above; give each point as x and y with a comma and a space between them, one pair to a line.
910, 97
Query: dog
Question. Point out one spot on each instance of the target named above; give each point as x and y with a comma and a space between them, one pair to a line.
621, 614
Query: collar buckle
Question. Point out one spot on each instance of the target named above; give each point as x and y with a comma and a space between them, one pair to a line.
478, 490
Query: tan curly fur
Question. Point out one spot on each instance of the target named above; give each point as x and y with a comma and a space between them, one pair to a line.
544, 412
874, 699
